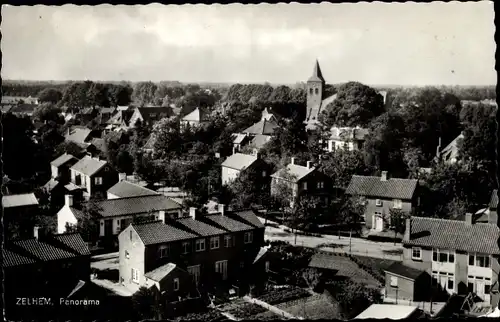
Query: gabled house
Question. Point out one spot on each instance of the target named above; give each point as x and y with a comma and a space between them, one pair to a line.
194, 119
461, 256
383, 194
235, 164
126, 189
263, 127
346, 138
23, 109
149, 115
18, 212
42, 266
94, 175
113, 215
240, 140
120, 120
60, 177
303, 181
212, 249
450, 153
79, 135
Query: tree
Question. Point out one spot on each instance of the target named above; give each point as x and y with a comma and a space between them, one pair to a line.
356, 104
144, 93
312, 278
351, 214
341, 165
145, 303
88, 225
304, 214
50, 95
354, 297
249, 188
398, 221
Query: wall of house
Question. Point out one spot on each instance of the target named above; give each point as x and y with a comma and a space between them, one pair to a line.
167, 284
403, 291
134, 118
136, 250
229, 174
54, 171
109, 178
65, 215
121, 222
384, 209
338, 144
313, 189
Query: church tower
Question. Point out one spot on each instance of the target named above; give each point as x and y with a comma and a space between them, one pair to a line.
315, 90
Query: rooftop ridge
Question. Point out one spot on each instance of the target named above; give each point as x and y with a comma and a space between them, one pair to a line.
377, 177
148, 222
455, 221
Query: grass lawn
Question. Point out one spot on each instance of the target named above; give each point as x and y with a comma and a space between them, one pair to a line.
318, 306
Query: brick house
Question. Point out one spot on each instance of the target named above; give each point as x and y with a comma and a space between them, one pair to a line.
383, 194
94, 175
114, 215
404, 283
303, 181
211, 248
461, 256
60, 177
43, 266
235, 164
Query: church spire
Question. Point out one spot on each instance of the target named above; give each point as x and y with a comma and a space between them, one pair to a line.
317, 76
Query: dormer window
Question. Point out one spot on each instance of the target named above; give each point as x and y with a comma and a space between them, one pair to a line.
316, 90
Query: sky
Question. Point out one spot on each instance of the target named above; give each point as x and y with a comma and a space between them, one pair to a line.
373, 43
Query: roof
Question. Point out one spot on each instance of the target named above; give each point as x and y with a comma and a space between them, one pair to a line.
264, 126
404, 271
161, 272
374, 187
154, 113
23, 108
227, 223
71, 186
494, 199
239, 137
260, 140
454, 234
74, 242
249, 217
317, 75
125, 189
239, 161
451, 150
78, 134
122, 116
100, 144
62, 159
158, 232
88, 165
198, 115
343, 266
347, 133
266, 115
387, 311
135, 205
20, 200
199, 227
42, 250
262, 251
296, 172
51, 184
11, 258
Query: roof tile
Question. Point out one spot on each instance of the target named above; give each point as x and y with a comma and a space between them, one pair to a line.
374, 187
88, 165
125, 189
157, 232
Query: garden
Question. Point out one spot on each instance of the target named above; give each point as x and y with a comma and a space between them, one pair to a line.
289, 293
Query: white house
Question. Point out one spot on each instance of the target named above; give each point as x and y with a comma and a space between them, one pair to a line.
346, 138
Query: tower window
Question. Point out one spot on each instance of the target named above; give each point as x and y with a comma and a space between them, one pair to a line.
316, 90
310, 91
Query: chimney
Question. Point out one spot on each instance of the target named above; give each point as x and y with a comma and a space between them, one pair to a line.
35, 232
492, 216
407, 229
234, 149
192, 212
383, 177
68, 200
468, 218
309, 164
221, 209
292, 161
122, 177
161, 216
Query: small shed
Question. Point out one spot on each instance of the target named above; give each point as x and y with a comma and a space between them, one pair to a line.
406, 283
390, 311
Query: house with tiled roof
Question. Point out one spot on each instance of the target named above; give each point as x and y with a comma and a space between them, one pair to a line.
381, 195
120, 120
302, 181
80, 135
94, 175
23, 109
461, 256
126, 189
48, 266
348, 138
196, 118
149, 115
18, 211
238, 163
114, 215
211, 248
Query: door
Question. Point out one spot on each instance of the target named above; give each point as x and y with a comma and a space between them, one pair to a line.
195, 272
108, 227
379, 222
480, 290
221, 268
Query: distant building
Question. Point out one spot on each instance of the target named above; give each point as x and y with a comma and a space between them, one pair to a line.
18, 212
347, 138
126, 189
195, 119
258, 134
80, 135
93, 175
120, 120
235, 164
383, 194
149, 115
60, 177
19, 100
451, 152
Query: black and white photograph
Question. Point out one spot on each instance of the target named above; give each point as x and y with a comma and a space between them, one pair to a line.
229, 162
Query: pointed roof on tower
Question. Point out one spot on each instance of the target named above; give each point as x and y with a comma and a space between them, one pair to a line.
317, 76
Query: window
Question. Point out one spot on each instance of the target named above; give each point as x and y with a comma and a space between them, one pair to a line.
378, 202
394, 281
200, 245
130, 233
135, 275
316, 90
227, 241
450, 283
264, 174
185, 247
479, 260
98, 181
304, 185
398, 204
310, 91
443, 256
248, 238
487, 288
214, 242
176, 284
195, 272
127, 255
164, 251
267, 266
416, 253
321, 185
